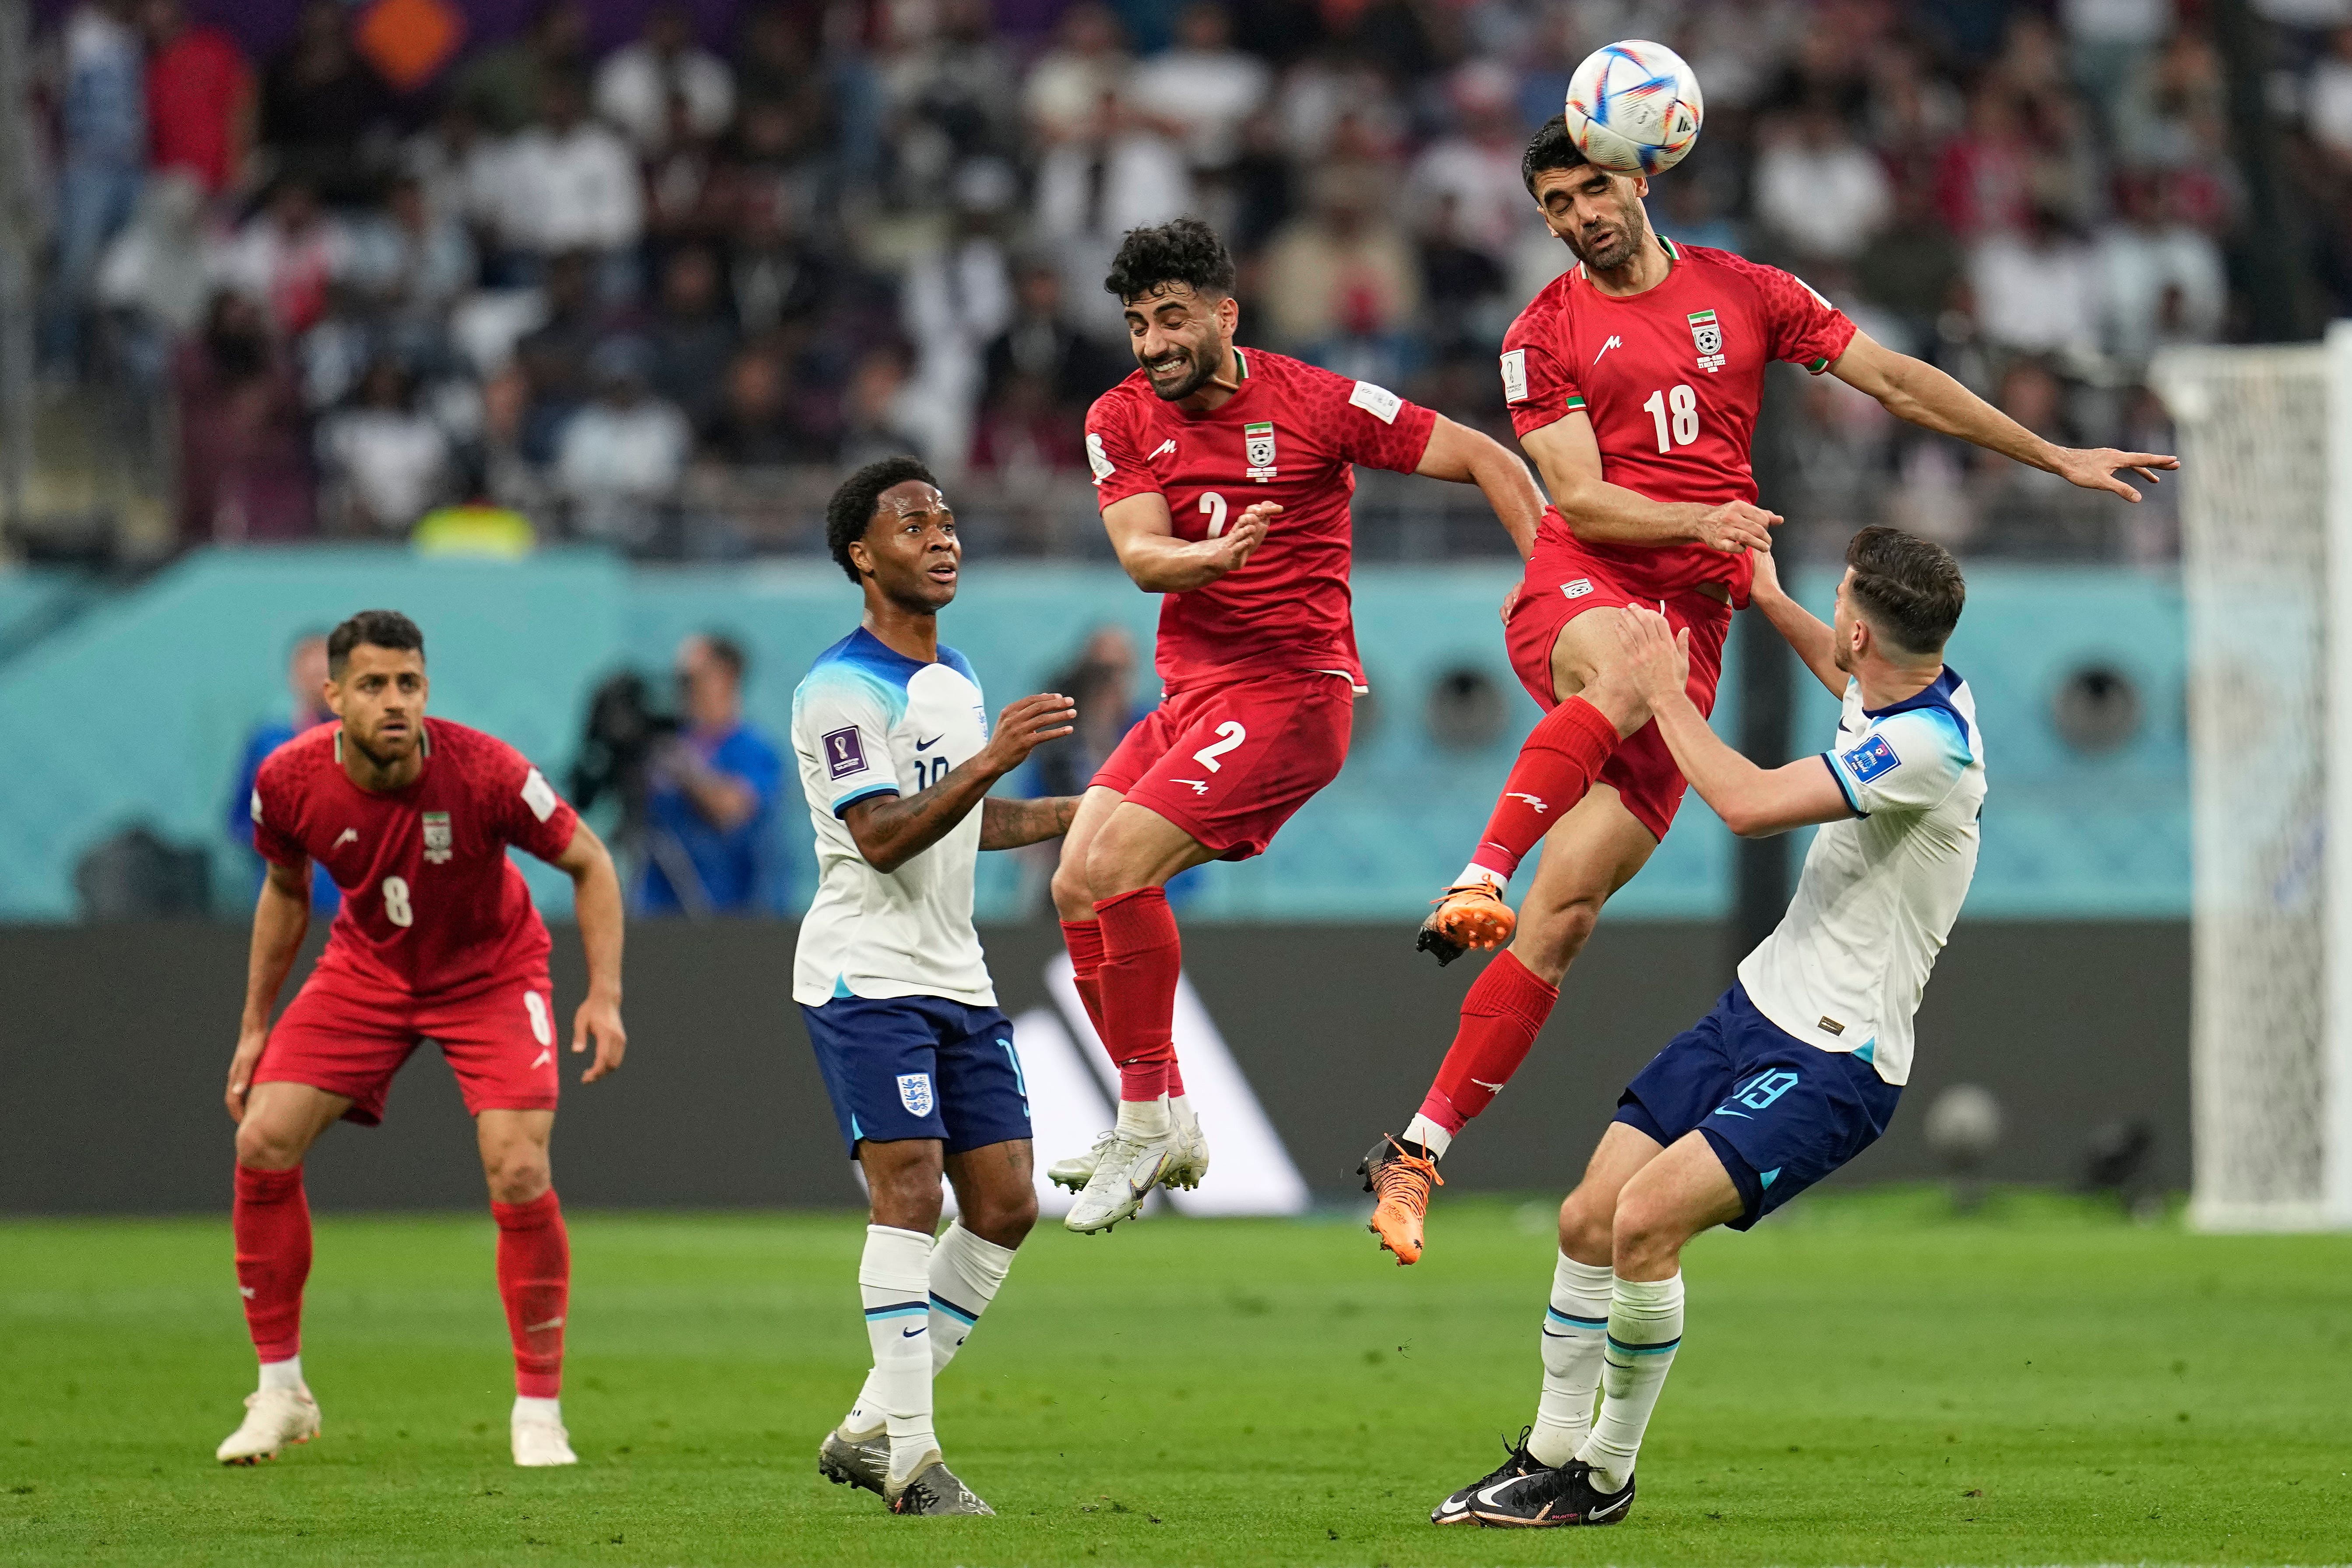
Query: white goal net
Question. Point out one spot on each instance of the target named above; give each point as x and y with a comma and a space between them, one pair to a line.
2267, 558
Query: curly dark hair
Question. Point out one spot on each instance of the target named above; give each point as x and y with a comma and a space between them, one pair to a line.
852, 506
1551, 147
374, 628
1182, 251
1910, 587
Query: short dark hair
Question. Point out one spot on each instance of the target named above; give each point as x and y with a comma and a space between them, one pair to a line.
727, 651
852, 506
1182, 251
374, 628
1909, 588
1551, 147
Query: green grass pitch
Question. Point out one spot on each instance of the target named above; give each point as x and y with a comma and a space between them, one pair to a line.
1866, 1379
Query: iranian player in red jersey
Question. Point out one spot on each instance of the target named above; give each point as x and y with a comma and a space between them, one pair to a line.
436, 940
1224, 476
1634, 381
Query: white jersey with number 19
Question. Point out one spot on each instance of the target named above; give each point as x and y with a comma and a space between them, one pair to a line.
1845, 967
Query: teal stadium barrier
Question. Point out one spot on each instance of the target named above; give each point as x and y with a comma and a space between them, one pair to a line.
134, 711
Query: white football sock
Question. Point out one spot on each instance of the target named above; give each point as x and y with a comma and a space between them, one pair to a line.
1142, 1118
965, 1274
1179, 1112
527, 1409
1646, 1324
287, 1373
1432, 1138
894, 1278
1474, 872
1575, 1328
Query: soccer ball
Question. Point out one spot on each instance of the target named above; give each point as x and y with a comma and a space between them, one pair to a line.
1634, 108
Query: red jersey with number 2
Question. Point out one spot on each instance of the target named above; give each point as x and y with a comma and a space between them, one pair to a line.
1292, 435
432, 906
1670, 378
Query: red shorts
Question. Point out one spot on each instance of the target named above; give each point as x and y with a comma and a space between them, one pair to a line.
1231, 763
349, 1035
1562, 584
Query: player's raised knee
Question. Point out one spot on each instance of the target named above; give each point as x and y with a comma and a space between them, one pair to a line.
1004, 1218
1074, 898
1647, 1233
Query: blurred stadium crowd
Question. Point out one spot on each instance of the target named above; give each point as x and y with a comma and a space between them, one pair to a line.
651, 274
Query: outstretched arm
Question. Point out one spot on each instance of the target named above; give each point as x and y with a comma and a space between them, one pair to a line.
1010, 824
1916, 391
1143, 532
1754, 803
596, 905
891, 830
1467, 457
1568, 455
1815, 644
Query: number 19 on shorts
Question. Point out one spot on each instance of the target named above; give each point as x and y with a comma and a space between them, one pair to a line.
1676, 414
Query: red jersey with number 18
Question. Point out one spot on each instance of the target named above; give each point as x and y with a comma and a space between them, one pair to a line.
432, 906
1671, 379
1291, 434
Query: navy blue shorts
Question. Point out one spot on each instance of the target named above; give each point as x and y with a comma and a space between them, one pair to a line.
920, 1066
1779, 1114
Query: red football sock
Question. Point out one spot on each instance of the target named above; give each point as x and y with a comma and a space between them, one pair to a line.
1141, 959
535, 1282
1501, 1017
1084, 941
1556, 766
271, 1223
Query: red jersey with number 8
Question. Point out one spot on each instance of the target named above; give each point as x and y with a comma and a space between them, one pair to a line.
432, 906
1671, 379
1291, 434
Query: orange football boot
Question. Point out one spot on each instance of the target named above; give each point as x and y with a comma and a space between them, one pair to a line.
1471, 914
1401, 1181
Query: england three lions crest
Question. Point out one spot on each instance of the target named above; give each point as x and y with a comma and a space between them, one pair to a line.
1707, 335
1257, 446
915, 1092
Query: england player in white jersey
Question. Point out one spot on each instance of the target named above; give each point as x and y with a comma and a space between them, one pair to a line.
895, 752
1798, 1069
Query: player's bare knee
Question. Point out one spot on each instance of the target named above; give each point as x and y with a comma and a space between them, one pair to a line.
1074, 898
518, 1176
1586, 1226
263, 1146
1004, 1219
1644, 1234
1549, 938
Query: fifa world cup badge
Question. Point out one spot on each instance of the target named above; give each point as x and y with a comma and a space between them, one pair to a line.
1708, 337
1258, 444
437, 836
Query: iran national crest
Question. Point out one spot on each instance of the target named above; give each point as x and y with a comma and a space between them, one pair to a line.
437, 836
1258, 445
915, 1092
1708, 334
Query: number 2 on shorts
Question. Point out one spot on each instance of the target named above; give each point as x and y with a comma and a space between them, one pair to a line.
1233, 736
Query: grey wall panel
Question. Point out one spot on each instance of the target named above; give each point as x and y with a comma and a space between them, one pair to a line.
114, 1042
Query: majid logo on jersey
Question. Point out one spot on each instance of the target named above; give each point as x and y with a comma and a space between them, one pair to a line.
1257, 444
1706, 334
436, 838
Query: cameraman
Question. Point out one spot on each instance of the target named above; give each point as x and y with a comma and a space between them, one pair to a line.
712, 799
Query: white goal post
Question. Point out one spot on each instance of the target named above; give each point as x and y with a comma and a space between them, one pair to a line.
2266, 560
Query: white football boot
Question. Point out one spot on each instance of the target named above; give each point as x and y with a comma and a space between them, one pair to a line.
274, 1417
1187, 1170
539, 1442
1126, 1170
